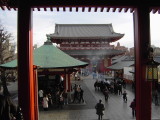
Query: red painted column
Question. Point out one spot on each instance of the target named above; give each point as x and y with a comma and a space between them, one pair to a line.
101, 66
142, 39
69, 83
109, 63
36, 110
26, 98
65, 79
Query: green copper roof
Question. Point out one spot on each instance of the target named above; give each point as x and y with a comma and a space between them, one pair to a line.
49, 56
12, 64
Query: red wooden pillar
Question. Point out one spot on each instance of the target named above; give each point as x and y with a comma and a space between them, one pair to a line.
109, 63
142, 40
69, 83
35, 74
101, 66
65, 79
26, 85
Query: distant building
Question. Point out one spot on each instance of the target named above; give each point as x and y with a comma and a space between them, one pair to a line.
89, 43
131, 51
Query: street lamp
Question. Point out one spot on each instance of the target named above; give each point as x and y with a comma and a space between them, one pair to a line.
151, 67
158, 74
152, 70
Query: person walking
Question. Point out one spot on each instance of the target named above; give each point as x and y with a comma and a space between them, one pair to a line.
106, 93
61, 101
45, 103
120, 89
156, 97
40, 93
100, 109
133, 106
81, 95
124, 96
75, 95
65, 97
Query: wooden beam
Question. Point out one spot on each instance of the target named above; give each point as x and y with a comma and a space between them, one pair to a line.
154, 10
70, 9
89, 9
64, 8
114, 9
142, 43
38, 8
15, 9
51, 8
126, 9
93, 3
102, 8
45, 9
8, 8
108, 9
25, 60
95, 10
83, 9
57, 9
76, 9
120, 9
2, 7
131, 10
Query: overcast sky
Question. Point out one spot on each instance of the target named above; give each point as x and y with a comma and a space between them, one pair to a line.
44, 23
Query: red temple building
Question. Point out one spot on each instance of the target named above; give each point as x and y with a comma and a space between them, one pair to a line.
140, 9
88, 42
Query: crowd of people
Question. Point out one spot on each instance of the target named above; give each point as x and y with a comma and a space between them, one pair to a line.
77, 94
112, 86
60, 97
116, 87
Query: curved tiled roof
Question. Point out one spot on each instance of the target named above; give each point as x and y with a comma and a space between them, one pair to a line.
121, 65
85, 32
49, 56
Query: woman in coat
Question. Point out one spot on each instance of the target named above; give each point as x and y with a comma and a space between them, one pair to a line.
100, 109
45, 103
133, 106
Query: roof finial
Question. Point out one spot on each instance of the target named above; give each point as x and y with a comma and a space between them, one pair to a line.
48, 42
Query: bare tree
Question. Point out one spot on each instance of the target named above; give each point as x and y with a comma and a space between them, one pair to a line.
7, 53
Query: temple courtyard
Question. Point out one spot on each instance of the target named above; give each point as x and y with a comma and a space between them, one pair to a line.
115, 108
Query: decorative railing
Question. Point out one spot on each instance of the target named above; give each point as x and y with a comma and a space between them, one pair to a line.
86, 48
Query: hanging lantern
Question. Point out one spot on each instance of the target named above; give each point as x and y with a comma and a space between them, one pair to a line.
152, 70
151, 67
158, 74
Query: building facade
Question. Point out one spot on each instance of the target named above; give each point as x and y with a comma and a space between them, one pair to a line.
89, 43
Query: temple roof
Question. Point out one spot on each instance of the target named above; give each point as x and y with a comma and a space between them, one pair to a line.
94, 52
49, 56
121, 65
117, 59
85, 32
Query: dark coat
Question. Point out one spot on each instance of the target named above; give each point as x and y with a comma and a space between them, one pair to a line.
7, 108
99, 109
133, 105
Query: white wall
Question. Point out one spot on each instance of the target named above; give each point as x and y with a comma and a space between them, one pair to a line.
127, 74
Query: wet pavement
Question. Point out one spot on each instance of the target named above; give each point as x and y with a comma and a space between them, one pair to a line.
115, 108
